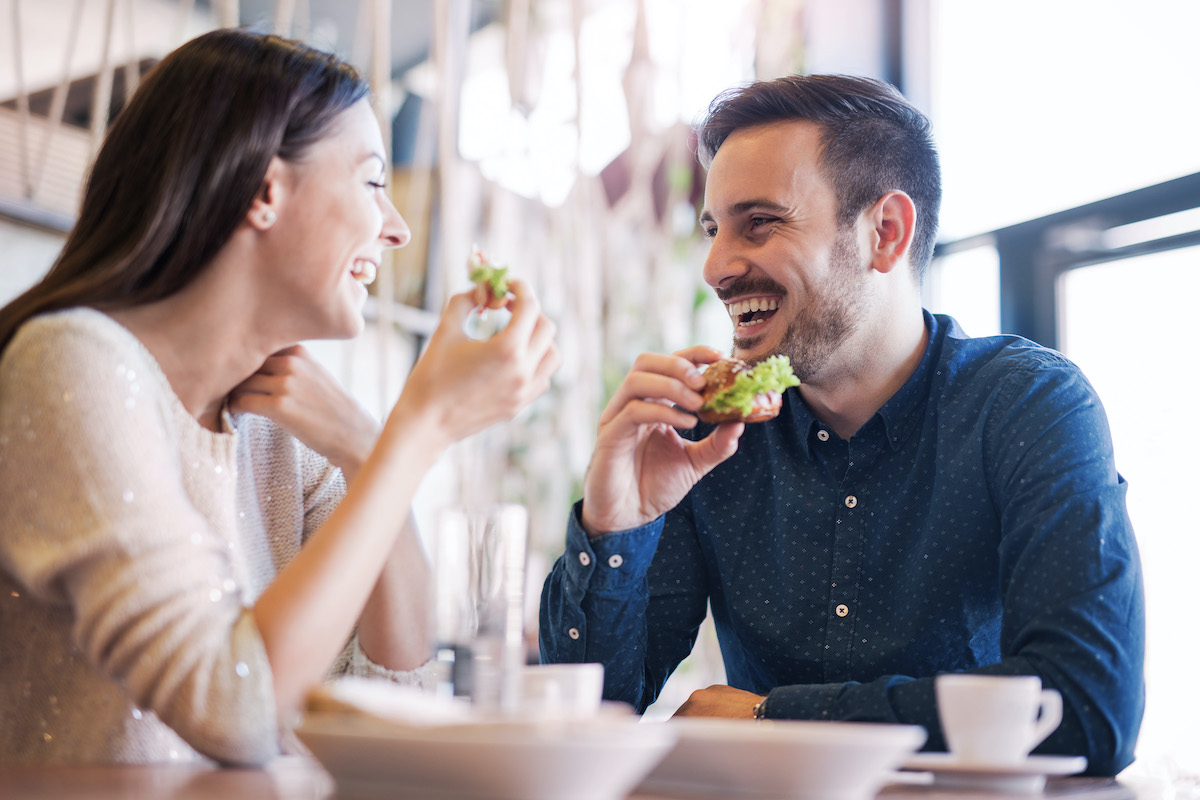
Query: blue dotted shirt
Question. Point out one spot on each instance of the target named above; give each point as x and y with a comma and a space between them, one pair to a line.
976, 523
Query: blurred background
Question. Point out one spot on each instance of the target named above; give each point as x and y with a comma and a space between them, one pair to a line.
556, 134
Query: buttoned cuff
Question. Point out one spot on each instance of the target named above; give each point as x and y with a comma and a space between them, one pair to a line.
802, 701
611, 562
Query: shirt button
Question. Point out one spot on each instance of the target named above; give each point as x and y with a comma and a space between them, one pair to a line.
823, 436
585, 559
842, 610
851, 501
615, 561
573, 633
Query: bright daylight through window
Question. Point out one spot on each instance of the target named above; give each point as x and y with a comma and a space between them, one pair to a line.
1042, 106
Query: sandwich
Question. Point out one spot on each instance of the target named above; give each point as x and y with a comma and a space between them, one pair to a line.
736, 392
491, 277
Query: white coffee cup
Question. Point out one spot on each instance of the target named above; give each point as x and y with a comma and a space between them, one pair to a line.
995, 719
562, 691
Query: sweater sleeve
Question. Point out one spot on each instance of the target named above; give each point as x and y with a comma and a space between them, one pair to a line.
324, 486
102, 521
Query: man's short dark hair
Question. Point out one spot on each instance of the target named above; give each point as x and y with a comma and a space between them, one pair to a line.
872, 142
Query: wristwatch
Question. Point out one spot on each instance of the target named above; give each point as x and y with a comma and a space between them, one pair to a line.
760, 709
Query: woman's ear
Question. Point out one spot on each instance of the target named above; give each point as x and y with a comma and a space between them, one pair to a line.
264, 213
894, 220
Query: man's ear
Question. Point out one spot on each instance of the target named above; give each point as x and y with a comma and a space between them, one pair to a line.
264, 211
893, 219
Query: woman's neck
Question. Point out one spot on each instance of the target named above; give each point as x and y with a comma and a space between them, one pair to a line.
205, 345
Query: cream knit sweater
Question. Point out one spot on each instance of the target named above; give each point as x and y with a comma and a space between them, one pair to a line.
132, 543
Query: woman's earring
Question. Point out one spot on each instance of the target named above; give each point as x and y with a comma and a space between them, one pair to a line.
268, 217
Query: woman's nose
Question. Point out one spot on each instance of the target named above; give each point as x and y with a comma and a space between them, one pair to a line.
395, 231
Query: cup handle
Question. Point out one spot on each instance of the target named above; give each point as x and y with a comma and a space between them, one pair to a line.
1049, 716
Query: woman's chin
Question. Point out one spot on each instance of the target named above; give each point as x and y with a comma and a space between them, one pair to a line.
355, 328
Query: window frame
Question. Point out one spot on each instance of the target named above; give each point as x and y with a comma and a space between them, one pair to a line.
1033, 255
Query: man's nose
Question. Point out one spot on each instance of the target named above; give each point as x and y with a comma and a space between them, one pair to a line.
723, 262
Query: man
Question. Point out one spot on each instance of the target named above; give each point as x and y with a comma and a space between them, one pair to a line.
924, 503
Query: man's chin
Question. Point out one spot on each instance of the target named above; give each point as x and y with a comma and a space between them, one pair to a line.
753, 349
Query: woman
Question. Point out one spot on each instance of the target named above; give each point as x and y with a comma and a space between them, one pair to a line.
155, 600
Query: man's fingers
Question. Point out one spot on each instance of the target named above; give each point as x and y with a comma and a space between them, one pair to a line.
699, 354
716, 447
648, 412
653, 387
674, 365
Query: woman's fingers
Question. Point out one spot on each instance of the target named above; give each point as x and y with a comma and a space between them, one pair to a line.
500, 376
526, 312
455, 312
258, 383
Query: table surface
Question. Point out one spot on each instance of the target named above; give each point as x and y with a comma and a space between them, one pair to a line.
301, 778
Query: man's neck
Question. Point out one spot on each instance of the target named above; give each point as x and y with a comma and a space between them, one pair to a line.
849, 394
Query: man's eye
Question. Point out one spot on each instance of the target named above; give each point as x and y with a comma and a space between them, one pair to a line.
756, 222
377, 185
709, 231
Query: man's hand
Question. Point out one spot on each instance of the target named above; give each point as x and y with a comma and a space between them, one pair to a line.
641, 467
720, 701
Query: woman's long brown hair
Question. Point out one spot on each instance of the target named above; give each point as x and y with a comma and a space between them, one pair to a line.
182, 164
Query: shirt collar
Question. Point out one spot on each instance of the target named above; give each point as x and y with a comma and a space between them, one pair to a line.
902, 412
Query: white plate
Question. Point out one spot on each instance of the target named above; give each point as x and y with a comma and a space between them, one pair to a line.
799, 760
601, 759
1027, 777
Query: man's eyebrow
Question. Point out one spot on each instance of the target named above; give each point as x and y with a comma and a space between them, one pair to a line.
748, 205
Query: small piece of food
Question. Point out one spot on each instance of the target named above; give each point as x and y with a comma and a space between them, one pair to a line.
492, 277
737, 392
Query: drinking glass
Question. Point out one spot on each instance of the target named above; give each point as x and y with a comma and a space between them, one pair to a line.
479, 603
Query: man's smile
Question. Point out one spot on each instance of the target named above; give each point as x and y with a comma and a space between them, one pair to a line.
752, 311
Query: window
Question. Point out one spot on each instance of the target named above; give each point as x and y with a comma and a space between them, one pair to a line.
1128, 324
1085, 105
1041, 105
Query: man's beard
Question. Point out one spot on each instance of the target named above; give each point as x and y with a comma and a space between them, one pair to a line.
833, 312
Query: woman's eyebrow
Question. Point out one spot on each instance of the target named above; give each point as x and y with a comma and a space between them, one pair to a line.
382, 161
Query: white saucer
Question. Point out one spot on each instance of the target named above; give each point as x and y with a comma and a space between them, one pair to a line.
1027, 777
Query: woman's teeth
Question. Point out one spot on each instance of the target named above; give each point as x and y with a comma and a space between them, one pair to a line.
364, 272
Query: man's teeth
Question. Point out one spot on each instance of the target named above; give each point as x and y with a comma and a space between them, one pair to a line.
364, 272
754, 304
741, 307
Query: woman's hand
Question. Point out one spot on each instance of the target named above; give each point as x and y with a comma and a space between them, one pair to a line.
465, 385
302, 397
